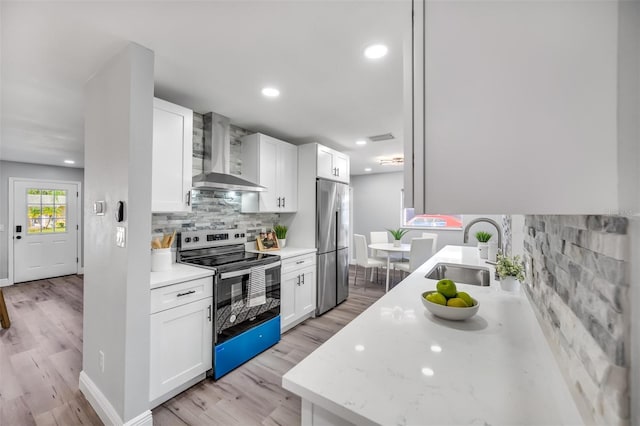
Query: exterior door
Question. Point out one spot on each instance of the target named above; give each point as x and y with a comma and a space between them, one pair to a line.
45, 229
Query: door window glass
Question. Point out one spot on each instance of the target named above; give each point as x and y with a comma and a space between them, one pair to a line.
46, 211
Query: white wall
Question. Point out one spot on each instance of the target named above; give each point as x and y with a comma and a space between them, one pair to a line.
31, 171
376, 207
118, 144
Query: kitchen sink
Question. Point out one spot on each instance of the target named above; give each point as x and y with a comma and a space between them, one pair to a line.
460, 274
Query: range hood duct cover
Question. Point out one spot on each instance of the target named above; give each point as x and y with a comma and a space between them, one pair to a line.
217, 156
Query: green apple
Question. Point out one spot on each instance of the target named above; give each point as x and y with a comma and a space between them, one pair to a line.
465, 296
436, 297
447, 288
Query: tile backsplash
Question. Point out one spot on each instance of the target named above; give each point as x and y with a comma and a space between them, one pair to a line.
214, 209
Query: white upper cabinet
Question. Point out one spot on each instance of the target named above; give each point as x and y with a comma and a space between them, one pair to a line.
172, 157
331, 164
515, 108
273, 164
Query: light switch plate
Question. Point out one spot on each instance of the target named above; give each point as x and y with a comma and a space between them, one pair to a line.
121, 236
99, 207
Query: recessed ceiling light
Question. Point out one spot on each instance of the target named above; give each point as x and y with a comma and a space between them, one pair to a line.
376, 51
367, 169
69, 162
270, 92
427, 372
361, 142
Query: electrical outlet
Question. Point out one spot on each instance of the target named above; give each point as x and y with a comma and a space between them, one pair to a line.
101, 360
1, 227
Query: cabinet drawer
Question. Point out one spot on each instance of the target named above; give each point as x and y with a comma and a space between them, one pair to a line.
179, 294
298, 262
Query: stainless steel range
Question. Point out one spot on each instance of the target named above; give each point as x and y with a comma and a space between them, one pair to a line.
246, 294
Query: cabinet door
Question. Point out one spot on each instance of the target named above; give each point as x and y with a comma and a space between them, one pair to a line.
288, 177
341, 166
172, 157
325, 163
181, 345
288, 288
546, 133
269, 174
305, 292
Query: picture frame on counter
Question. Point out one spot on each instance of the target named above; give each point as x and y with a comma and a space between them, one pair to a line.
267, 241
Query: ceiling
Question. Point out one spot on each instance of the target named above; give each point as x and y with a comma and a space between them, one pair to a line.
209, 56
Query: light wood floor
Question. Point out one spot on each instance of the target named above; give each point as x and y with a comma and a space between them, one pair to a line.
41, 359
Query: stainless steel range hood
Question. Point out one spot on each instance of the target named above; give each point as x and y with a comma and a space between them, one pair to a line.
217, 155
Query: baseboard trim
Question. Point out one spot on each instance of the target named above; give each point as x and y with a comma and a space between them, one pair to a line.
144, 419
103, 407
4, 282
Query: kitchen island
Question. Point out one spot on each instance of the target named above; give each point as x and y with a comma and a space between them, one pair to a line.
397, 364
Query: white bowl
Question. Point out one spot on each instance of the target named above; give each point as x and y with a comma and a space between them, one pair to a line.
449, 312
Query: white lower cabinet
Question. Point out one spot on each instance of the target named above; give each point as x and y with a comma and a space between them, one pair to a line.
181, 344
298, 290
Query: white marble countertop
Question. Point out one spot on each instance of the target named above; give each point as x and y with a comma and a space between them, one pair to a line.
179, 272
284, 253
396, 364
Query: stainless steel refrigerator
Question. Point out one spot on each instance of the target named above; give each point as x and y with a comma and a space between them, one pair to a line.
332, 236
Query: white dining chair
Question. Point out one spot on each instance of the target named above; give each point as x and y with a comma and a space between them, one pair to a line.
421, 250
378, 237
363, 260
435, 240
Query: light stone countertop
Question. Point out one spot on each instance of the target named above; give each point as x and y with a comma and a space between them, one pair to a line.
179, 272
284, 253
396, 364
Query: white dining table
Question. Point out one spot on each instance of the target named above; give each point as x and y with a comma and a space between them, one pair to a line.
390, 248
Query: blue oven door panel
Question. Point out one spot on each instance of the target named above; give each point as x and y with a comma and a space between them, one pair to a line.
243, 347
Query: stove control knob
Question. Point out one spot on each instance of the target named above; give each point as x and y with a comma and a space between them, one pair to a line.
196, 239
242, 235
237, 236
187, 240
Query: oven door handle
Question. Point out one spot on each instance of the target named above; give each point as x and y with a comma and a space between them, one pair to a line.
234, 274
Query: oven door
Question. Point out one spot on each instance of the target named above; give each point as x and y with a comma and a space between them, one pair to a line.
236, 310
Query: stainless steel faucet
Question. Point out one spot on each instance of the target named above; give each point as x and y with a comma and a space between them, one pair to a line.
483, 219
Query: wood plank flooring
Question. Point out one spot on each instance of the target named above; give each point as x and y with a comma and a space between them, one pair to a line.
41, 355
41, 359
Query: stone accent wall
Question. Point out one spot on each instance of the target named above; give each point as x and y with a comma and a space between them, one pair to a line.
507, 235
214, 209
198, 145
578, 278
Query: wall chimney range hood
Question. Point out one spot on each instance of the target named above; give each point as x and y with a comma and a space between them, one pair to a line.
217, 155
